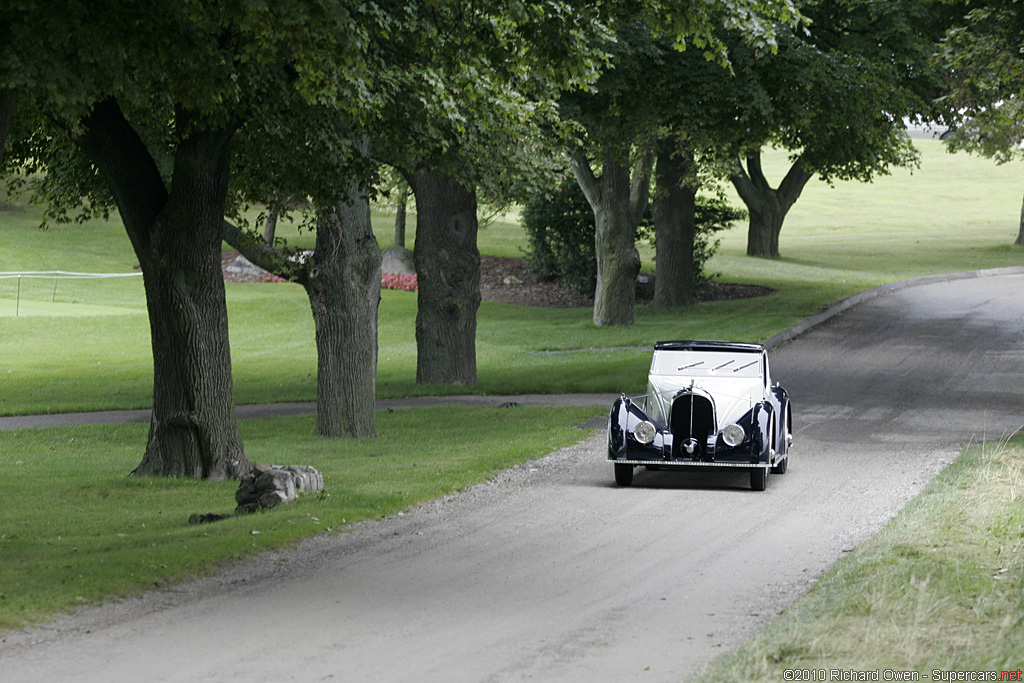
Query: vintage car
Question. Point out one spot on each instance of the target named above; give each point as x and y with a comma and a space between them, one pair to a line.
708, 404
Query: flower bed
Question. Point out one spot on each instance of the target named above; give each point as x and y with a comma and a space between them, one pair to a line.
398, 281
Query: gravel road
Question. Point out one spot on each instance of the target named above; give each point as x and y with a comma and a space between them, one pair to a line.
551, 573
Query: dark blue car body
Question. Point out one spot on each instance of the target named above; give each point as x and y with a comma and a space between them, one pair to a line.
708, 404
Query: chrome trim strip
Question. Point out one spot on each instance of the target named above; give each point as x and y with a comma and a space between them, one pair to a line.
687, 463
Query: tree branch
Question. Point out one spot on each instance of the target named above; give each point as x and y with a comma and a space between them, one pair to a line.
793, 184
121, 157
755, 172
640, 188
743, 184
259, 253
586, 178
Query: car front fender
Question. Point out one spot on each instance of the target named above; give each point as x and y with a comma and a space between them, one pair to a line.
625, 415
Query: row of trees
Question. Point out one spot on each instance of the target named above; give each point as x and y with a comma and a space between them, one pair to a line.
834, 90
173, 113
177, 114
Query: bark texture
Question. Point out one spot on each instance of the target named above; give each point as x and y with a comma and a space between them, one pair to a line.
344, 292
674, 211
176, 235
767, 206
618, 201
1020, 235
400, 214
7, 106
448, 272
342, 281
270, 227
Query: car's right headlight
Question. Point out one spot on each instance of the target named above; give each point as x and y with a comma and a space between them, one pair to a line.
733, 435
644, 432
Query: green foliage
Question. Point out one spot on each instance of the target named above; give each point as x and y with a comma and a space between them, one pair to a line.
837, 94
471, 91
300, 83
634, 92
560, 232
986, 86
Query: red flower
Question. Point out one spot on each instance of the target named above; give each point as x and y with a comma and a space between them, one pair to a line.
408, 283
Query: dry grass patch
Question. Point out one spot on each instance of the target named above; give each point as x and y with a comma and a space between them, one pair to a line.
939, 588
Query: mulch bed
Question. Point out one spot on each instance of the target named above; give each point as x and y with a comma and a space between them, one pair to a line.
533, 292
530, 291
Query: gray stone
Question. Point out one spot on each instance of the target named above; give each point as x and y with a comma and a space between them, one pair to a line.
246, 491
243, 266
307, 479
271, 485
272, 499
397, 260
277, 479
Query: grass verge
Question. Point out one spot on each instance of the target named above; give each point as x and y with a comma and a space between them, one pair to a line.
940, 588
101, 534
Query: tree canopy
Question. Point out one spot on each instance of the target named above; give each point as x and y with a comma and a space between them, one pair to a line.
631, 104
138, 106
836, 96
176, 113
984, 54
148, 109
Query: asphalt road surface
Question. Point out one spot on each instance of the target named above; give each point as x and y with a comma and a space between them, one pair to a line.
551, 573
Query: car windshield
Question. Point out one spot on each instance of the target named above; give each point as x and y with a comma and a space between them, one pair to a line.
690, 363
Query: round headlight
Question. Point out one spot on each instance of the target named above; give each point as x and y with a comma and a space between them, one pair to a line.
733, 435
644, 432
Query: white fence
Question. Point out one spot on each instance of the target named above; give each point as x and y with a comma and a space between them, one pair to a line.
56, 276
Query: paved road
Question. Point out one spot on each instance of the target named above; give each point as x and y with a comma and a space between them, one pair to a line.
269, 410
550, 573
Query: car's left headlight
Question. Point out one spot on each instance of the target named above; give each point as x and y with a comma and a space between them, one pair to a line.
733, 435
644, 432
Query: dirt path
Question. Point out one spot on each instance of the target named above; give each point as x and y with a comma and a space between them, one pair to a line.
551, 573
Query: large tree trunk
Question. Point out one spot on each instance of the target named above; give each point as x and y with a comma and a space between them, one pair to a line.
270, 227
1020, 235
344, 291
177, 237
400, 213
618, 202
7, 106
448, 272
674, 209
342, 281
768, 207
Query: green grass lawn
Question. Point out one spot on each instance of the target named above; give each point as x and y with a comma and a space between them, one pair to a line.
102, 535
956, 213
